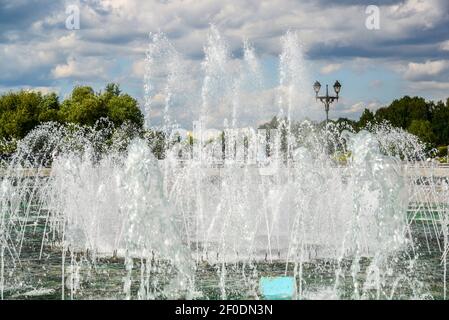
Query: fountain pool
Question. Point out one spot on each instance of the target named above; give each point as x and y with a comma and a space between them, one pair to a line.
91, 213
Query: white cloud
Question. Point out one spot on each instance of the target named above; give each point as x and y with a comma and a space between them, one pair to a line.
425, 13
138, 68
426, 70
429, 85
435, 90
355, 109
85, 68
44, 90
113, 30
330, 68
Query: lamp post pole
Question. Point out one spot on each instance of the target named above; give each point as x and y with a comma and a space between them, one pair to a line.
327, 99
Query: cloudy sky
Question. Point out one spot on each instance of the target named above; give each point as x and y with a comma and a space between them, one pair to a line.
408, 54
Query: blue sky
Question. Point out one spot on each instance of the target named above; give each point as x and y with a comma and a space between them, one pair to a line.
409, 54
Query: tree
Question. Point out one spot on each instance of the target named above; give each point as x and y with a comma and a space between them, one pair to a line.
366, 118
120, 107
19, 113
49, 108
157, 142
79, 93
112, 89
83, 107
345, 123
22, 111
423, 130
440, 123
124, 108
272, 124
401, 112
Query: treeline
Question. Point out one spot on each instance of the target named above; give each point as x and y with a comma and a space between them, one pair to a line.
22, 111
428, 120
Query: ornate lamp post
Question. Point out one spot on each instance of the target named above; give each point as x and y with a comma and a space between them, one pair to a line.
327, 99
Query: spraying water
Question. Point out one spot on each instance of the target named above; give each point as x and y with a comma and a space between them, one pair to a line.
91, 212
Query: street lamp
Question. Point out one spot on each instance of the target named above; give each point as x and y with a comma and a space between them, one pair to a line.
327, 99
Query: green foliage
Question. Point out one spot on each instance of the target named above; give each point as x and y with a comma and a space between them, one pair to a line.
422, 129
427, 120
124, 108
112, 89
401, 112
272, 124
84, 107
49, 108
443, 151
7, 147
366, 118
157, 142
345, 123
440, 123
80, 93
22, 111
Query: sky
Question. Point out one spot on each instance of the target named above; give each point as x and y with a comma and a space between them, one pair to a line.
405, 53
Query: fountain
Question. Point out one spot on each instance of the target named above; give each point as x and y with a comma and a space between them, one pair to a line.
92, 213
